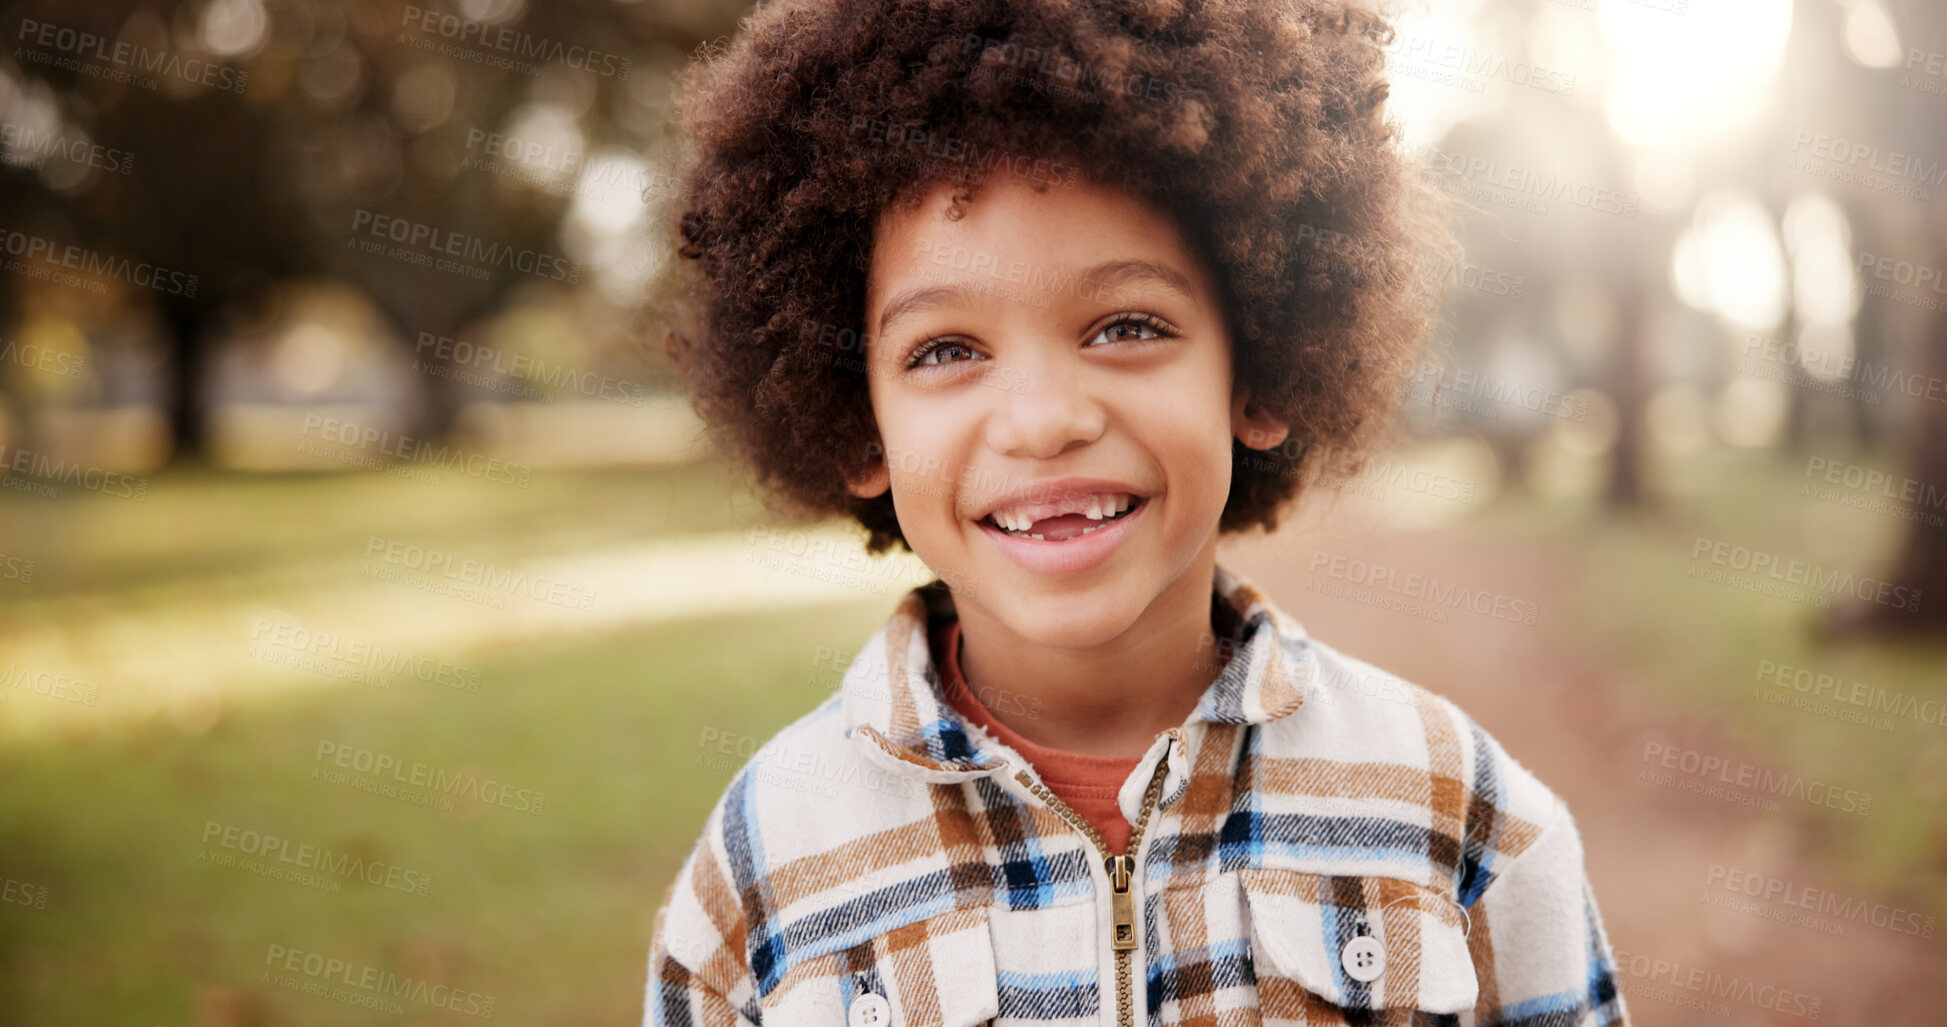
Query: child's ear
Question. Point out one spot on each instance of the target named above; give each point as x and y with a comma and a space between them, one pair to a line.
1255, 427
875, 480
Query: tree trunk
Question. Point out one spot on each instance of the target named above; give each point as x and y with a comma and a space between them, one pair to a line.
1629, 371
185, 397
1921, 565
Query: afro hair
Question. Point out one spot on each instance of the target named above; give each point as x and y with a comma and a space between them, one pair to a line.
1263, 133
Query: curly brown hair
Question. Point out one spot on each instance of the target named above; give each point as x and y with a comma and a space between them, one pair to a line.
1262, 135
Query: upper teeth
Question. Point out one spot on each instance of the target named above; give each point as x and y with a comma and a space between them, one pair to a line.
1094, 507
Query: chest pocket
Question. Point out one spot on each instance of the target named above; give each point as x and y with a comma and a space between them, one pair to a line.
1335, 950
933, 972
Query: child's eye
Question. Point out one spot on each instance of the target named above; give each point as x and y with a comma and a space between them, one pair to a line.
932, 346
1119, 330
1122, 329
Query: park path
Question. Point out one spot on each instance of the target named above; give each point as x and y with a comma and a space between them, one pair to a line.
1581, 726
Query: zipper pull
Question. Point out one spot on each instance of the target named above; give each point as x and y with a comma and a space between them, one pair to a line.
1121, 869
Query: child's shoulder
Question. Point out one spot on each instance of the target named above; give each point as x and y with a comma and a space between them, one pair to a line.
817, 784
1367, 734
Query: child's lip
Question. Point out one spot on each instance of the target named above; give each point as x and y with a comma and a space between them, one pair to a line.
1044, 491
1073, 555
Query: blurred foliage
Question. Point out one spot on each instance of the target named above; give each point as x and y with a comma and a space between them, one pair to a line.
338, 112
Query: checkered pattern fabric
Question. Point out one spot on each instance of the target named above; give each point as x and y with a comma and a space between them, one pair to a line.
1331, 845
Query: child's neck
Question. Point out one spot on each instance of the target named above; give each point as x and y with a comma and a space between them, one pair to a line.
1109, 700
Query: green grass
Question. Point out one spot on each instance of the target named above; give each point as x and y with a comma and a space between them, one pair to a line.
194, 524
550, 914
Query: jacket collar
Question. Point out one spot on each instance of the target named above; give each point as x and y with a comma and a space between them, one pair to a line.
893, 692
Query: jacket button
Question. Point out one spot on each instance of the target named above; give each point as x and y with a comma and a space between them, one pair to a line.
868, 1010
1364, 958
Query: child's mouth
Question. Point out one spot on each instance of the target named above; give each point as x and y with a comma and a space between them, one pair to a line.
1064, 527
1068, 543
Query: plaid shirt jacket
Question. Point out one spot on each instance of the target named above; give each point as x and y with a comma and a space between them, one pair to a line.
1329, 844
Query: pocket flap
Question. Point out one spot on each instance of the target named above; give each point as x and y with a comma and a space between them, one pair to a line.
1414, 955
938, 972
934, 971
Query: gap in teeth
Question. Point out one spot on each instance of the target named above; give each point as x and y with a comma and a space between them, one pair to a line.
1097, 511
1101, 507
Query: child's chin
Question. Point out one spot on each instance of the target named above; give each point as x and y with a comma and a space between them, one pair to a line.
1065, 621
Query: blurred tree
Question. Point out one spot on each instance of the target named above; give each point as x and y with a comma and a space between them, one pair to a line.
1537, 140
349, 111
1881, 105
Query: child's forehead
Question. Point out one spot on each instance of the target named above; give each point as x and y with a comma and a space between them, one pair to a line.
1026, 231
944, 206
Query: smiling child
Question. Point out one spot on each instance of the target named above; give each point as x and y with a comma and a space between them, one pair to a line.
1052, 295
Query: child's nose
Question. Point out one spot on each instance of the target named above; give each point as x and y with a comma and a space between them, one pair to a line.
1046, 414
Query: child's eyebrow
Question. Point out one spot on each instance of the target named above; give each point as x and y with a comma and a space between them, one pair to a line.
1099, 279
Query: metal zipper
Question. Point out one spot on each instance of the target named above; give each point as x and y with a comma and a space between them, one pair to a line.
1121, 868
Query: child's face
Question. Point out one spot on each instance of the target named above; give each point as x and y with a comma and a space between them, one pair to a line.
1043, 368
